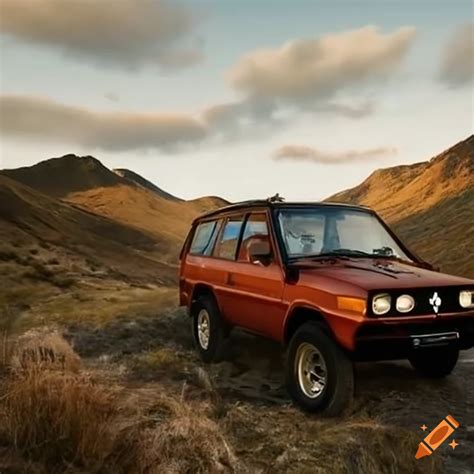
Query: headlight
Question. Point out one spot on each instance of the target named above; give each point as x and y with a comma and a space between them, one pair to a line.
381, 303
466, 299
405, 303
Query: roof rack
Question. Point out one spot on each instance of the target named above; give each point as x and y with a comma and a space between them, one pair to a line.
274, 202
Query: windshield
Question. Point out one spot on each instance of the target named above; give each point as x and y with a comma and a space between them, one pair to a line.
333, 231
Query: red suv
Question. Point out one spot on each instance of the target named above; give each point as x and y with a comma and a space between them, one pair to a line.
332, 283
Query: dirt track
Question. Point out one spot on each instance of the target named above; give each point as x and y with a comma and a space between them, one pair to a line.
390, 392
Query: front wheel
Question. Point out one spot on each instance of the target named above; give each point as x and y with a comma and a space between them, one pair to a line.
435, 362
319, 375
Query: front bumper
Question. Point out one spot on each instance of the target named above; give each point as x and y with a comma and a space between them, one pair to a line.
397, 339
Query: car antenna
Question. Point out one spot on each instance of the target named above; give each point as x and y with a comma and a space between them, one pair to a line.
276, 198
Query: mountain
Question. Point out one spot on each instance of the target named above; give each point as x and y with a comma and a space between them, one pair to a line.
123, 196
137, 179
41, 237
58, 177
429, 204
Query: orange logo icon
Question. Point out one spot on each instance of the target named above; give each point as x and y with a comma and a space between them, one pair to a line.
437, 437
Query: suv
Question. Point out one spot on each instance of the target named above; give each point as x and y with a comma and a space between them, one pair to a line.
332, 283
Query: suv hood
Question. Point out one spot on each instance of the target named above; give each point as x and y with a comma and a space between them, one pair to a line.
371, 274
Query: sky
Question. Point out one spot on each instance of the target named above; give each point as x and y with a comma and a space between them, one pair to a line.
240, 99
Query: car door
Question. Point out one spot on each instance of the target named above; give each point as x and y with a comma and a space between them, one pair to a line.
198, 266
223, 263
255, 289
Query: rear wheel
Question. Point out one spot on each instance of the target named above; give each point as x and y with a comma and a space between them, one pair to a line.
319, 375
435, 362
209, 330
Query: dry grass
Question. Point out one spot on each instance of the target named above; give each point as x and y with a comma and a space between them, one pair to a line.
289, 441
366, 446
55, 418
8, 322
190, 443
50, 412
156, 363
88, 304
44, 349
60, 418
186, 441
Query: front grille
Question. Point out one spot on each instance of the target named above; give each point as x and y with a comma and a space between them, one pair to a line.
395, 341
449, 301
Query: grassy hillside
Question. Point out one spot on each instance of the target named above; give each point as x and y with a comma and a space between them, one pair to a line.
41, 236
141, 181
430, 205
122, 196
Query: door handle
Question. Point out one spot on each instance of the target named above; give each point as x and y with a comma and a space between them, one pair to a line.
230, 279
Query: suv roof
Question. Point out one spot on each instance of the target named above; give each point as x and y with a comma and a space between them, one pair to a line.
276, 204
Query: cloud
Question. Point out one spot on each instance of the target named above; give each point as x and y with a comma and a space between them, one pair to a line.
112, 96
457, 63
243, 119
306, 153
126, 33
46, 120
281, 85
316, 69
252, 118
314, 76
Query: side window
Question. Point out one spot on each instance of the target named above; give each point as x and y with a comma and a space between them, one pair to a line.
229, 238
204, 238
256, 230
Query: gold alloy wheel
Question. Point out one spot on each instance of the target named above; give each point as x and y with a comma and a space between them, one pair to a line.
311, 370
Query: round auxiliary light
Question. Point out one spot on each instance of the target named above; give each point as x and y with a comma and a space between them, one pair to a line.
405, 303
466, 299
381, 303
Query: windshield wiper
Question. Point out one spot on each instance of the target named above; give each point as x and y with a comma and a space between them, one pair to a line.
344, 254
347, 253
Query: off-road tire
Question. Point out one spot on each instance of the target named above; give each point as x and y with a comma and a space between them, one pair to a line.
435, 362
218, 330
338, 393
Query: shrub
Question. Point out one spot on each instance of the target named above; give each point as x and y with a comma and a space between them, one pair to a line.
58, 418
63, 281
11, 255
41, 272
44, 350
7, 255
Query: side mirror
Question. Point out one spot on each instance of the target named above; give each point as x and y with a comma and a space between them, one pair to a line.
260, 252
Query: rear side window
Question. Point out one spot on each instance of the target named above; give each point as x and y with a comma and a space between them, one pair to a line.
256, 225
204, 238
229, 239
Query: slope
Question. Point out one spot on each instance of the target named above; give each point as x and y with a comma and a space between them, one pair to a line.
430, 204
141, 181
41, 232
123, 196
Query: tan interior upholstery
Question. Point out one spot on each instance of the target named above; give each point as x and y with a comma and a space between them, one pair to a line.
244, 249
